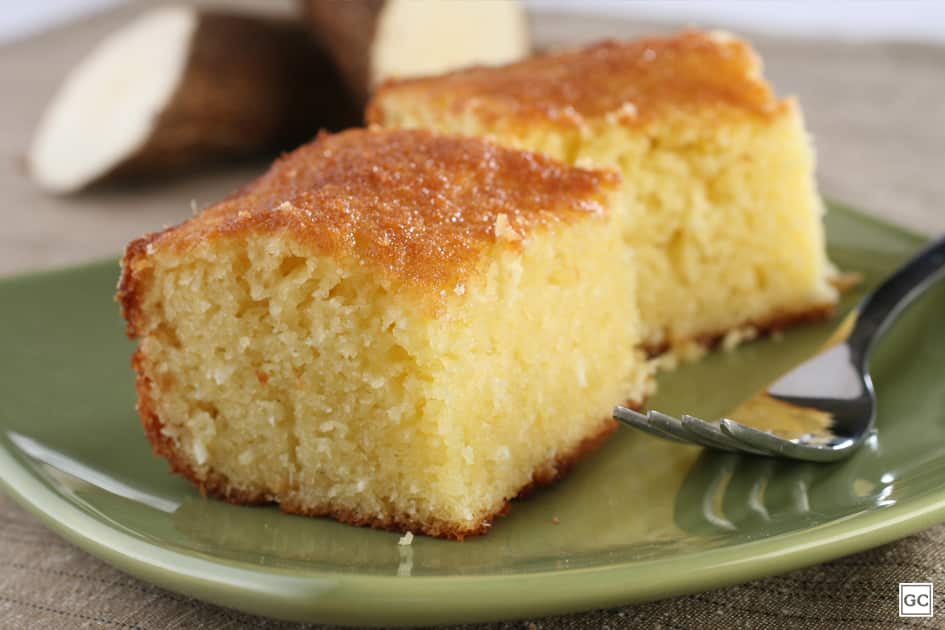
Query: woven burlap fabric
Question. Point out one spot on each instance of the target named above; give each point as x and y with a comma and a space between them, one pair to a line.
877, 112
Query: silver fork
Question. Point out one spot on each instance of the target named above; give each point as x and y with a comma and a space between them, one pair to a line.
835, 382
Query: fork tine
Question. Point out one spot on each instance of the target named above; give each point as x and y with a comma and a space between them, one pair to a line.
786, 448
755, 438
714, 438
706, 433
641, 421
671, 425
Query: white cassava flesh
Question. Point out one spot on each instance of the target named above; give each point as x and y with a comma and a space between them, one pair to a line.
178, 87
105, 111
435, 37
374, 40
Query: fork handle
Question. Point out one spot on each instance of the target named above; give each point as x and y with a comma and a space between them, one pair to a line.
883, 305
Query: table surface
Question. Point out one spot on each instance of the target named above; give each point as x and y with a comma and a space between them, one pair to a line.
877, 114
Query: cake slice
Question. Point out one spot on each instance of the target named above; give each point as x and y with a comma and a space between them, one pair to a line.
721, 208
392, 328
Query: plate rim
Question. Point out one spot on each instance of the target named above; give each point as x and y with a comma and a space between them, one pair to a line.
318, 595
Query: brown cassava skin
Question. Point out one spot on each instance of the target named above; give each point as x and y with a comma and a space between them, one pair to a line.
346, 28
251, 86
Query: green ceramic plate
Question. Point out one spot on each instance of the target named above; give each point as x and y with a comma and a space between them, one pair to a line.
640, 520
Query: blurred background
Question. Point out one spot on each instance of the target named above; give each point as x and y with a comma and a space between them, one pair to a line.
889, 19
870, 77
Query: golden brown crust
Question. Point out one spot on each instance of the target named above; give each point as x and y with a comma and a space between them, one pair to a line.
129, 287
219, 487
413, 205
633, 81
776, 322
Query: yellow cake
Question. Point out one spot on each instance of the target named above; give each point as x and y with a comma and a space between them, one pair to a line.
392, 328
721, 209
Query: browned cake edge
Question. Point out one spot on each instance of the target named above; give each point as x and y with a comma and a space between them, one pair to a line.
543, 475
774, 323
218, 485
